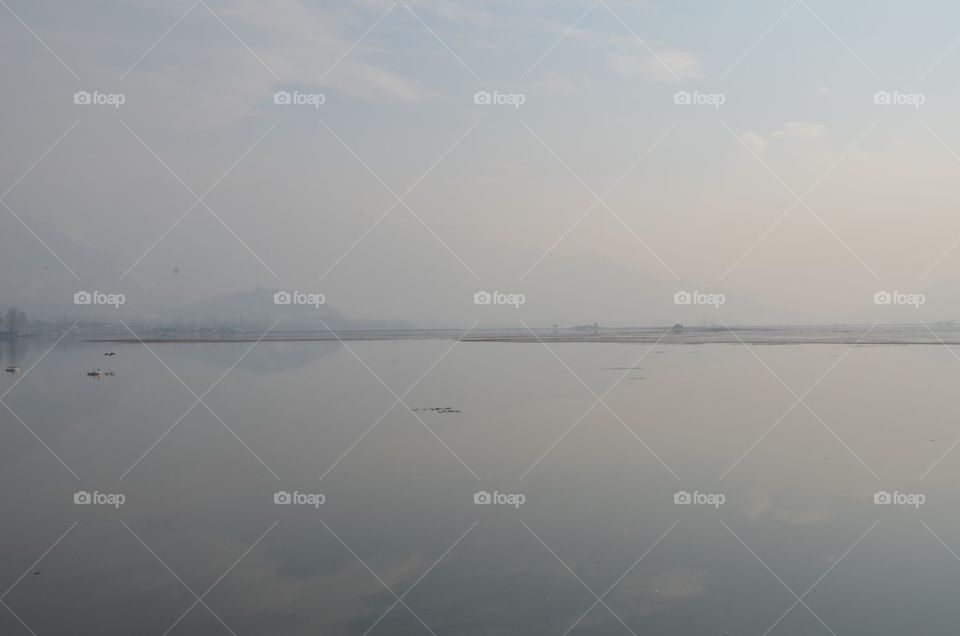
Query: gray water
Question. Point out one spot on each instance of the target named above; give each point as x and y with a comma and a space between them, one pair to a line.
598, 483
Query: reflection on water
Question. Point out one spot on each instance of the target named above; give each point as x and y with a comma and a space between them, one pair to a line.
600, 439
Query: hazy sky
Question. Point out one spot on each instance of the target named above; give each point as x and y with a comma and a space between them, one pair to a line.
699, 196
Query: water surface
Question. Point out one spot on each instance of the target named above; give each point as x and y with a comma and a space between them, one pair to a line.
399, 519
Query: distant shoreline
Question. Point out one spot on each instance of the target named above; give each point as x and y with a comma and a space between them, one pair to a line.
761, 335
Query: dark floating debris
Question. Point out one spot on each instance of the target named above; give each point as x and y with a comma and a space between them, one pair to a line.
12, 369
98, 374
439, 409
110, 353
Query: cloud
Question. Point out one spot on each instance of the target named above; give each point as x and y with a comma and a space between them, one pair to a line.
376, 83
799, 130
663, 65
754, 142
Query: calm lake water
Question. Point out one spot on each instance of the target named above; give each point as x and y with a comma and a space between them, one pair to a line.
787, 494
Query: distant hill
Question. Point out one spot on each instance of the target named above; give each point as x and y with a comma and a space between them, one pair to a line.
257, 307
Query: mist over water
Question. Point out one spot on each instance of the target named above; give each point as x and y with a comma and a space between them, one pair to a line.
599, 485
477, 317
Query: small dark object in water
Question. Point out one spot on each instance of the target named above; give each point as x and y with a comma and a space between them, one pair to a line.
439, 409
12, 369
111, 353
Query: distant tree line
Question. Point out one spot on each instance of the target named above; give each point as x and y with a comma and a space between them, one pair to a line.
14, 320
